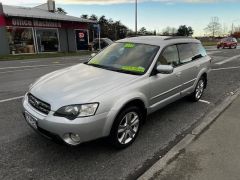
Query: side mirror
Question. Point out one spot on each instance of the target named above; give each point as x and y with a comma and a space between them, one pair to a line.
165, 69
93, 54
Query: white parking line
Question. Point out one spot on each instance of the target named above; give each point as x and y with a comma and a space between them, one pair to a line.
204, 101
11, 99
227, 68
25, 62
5, 72
213, 52
228, 60
19, 67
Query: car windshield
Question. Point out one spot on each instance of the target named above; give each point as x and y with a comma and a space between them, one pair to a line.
131, 58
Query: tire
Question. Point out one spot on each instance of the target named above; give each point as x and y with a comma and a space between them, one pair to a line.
199, 90
124, 132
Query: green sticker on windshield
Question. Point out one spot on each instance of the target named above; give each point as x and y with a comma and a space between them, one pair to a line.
129, 45
133, 69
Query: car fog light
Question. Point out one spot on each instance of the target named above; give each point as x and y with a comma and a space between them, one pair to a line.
75, 137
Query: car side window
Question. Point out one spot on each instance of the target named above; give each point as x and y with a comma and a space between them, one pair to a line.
185, 53
169, 56
198, 51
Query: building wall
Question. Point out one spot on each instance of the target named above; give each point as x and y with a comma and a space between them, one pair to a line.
67, 40
66, 32
63, 40
4, 45
72, 40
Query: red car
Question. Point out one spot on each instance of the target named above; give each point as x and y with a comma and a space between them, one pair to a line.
229, 42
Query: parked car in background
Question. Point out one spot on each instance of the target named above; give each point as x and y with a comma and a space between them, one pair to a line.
112, 94
228, 42
104, 42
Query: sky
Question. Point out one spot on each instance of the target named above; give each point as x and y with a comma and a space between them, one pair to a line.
152, 14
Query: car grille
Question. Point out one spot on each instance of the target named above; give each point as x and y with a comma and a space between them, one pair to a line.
38, 104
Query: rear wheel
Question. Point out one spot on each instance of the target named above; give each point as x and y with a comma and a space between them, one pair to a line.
198, 92
126, 127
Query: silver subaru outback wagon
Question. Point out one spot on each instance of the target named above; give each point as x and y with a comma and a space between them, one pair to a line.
112, 94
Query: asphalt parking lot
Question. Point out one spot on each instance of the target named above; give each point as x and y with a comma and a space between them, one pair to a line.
26, 155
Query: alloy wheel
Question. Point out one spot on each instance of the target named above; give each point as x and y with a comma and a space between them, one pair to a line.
128, 128
199, 89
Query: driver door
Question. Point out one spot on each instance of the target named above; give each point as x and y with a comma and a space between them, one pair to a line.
166, 88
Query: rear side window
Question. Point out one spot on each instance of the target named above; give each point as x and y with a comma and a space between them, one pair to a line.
198, 51
169, 56
185, 53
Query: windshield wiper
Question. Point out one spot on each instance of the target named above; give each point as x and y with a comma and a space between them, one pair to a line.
115, 69
98, 65
127, 72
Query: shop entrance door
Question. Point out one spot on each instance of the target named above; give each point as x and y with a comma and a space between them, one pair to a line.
47, 40
82, 39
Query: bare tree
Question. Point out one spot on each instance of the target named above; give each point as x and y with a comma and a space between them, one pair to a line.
214, 27
169, 31
225, 30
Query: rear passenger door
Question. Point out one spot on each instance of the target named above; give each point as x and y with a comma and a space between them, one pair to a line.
188, 69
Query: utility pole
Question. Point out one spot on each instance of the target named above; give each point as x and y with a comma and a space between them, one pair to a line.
136, 18
232, 28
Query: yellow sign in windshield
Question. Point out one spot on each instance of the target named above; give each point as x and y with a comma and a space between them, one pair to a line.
129, 45
133, 69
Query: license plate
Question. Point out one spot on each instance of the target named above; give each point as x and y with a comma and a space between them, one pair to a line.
31, 120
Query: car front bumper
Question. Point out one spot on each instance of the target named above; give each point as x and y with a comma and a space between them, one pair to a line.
87, 128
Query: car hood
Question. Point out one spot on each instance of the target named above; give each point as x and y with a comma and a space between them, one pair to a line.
77, 84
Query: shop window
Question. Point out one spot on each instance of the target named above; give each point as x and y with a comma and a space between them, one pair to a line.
47, 40
20, 40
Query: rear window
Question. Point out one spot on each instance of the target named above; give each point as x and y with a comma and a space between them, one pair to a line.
198, 50
185, 53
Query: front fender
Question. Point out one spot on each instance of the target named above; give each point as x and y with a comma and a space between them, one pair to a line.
117, 107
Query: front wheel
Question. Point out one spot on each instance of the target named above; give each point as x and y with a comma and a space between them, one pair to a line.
198, 92
126, 127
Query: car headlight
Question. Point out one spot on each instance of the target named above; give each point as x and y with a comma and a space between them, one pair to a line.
71, 112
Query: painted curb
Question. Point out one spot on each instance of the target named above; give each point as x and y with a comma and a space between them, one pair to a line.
207, 121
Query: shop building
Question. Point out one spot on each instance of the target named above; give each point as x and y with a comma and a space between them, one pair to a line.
41, 29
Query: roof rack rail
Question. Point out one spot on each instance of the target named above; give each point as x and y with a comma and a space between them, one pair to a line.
178, 37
